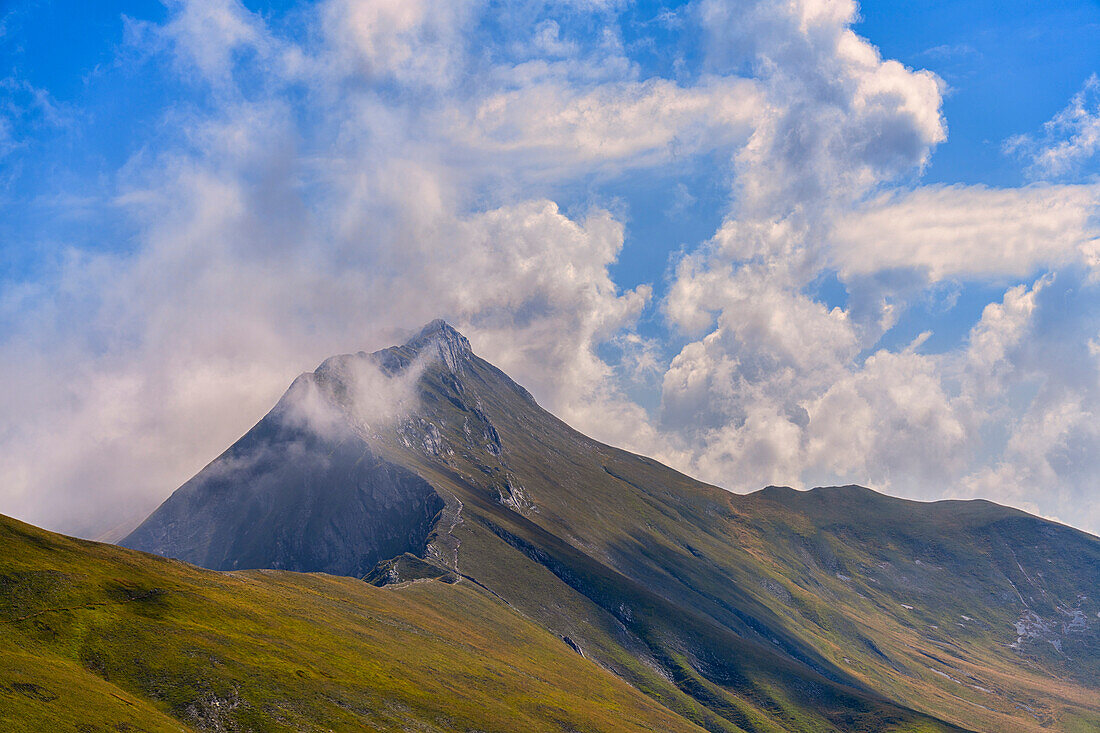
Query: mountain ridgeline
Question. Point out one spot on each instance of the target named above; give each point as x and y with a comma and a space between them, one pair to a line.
834, 609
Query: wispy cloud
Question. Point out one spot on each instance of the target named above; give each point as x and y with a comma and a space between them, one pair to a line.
1068, 141
950, 51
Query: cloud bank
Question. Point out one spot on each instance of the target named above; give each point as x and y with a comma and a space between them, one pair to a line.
358, 167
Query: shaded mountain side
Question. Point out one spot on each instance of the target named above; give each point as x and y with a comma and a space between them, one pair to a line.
100, 638
748, 613
285, 496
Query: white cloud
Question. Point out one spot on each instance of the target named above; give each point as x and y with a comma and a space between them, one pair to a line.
971, 231
556, 125
890, 423
1070, 139
417, 42
782, 397
378, 168
844, 117
369, 400
1049, 463
1036, 375
1002, 326
774, 364
209, 34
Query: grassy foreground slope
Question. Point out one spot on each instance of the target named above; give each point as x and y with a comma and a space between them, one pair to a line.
99, 638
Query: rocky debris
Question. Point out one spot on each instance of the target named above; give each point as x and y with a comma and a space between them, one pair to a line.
407, 568
777, 590
442, 547
213, 712
419, 434
572, 645
515, 496
489, 438
1076, 622
1032, 627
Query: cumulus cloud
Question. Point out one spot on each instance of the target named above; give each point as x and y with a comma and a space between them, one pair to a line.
1001, 329
890, 421
844, 118
800, 407
1048, 464
384, 163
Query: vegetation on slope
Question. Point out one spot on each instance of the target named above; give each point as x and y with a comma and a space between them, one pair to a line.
837, 609
97, 638
922, 603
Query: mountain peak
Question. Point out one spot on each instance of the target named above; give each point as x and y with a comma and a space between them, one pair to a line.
453, 346
438, 329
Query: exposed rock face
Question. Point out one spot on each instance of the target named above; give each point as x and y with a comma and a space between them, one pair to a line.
284, 498
408, 568
451, 346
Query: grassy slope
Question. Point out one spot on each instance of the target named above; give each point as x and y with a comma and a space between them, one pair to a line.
821, 576
560, 564
937, 589
101, 637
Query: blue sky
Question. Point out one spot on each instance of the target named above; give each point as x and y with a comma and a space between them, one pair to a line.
737, 235
1010, 66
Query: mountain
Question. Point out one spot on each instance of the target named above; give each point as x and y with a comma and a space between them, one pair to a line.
833, 609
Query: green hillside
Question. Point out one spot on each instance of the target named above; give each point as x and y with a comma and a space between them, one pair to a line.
916, 602
982, 613
99, 638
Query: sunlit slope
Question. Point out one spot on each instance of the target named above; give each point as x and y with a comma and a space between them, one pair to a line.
1002, 633
102, 637
823, 577
981, 611
779, 611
